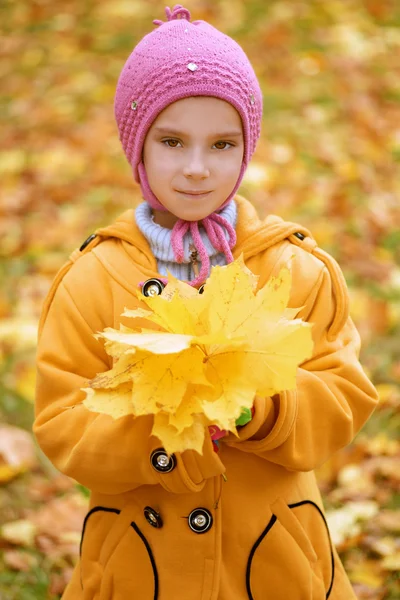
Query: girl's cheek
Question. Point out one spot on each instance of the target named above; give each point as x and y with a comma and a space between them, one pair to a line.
230, 167
171, 164
166, 164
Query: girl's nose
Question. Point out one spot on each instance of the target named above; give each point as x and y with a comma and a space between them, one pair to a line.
196, 167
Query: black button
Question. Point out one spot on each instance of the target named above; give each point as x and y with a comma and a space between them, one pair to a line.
86, 242
201, 289
153, 517
152, 287
162, 462
200, 520
299, 235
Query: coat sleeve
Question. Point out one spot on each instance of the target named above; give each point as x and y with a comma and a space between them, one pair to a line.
301, 429
106, 455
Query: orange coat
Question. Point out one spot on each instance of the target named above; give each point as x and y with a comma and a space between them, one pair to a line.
173, 529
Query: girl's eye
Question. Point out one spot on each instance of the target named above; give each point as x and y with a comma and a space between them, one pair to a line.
174, 142
225, 147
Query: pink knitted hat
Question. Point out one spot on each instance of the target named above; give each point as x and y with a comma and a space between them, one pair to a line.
177, 60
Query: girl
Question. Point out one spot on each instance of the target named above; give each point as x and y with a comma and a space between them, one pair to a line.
188, 108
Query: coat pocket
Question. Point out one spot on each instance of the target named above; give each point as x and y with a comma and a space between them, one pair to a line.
116, 560
293, 556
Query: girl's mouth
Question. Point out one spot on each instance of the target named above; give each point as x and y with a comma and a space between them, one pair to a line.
195, 194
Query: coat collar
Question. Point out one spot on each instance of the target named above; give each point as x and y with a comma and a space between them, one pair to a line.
253, 234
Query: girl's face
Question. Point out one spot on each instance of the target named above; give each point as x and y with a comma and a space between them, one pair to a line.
194, 145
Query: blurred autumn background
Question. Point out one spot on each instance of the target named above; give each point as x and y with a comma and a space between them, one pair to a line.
328, 158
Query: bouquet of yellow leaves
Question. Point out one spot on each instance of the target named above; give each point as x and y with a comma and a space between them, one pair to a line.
211, 355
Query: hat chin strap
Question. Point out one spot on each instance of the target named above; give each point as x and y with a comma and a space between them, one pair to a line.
213, 224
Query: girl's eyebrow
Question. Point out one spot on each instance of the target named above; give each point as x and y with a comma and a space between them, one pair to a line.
167, 131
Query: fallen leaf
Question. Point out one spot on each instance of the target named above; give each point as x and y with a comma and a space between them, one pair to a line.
59, 581
392, 562
17, 452
389, 520
345, 522
19, 560
367, 574
21, 532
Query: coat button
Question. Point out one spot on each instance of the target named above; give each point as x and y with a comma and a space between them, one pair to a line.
161, 462
153, 517
201, 289
200, 520
87, 242
152, 287
299, 235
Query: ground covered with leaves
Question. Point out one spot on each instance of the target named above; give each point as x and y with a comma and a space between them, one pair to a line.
328, 158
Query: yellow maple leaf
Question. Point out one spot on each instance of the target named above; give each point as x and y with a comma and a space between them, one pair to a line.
157, 343
178, 308
114, 402
211, 355
160, 382
191, 437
